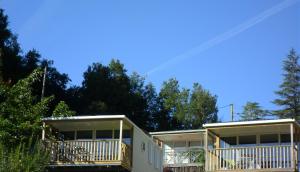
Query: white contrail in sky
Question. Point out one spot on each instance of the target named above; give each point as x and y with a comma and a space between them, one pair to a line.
226, 35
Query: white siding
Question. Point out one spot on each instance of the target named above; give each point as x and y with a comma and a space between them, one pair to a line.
145, 161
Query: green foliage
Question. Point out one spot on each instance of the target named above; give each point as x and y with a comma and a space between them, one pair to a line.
289, 93
10, 53
191, 108
253, 111
62, 110
30, 157
203, 107
20, 111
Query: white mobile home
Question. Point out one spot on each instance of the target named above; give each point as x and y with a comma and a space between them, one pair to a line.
100, 143
113, 143
182, 150
266, 145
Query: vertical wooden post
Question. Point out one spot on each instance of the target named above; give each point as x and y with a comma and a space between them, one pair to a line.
257, 139
217, 144
43, 131
292, 145
206, 149
120, 139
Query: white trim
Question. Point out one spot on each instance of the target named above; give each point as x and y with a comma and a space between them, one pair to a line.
175, 132
84, 117
228, 124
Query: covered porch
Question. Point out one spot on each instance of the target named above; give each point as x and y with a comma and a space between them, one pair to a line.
89, 141
270, 145
182, 150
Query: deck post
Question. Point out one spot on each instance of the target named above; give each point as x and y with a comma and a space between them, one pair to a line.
206, 149
43, 131
120, 139
292, 146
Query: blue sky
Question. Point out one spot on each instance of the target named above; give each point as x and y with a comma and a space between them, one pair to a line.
233, 48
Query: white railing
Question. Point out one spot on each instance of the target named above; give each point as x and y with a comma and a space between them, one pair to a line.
257, 157
184, 156
85, 151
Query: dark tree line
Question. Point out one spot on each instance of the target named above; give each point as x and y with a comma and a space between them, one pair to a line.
106, 89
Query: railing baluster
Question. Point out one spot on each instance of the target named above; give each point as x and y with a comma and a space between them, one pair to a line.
270, 157
210, 160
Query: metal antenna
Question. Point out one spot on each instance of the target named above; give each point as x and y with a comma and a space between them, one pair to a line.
231, 112
44, 82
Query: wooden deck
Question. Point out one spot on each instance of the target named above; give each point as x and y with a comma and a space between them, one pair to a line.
89, 153
256, 158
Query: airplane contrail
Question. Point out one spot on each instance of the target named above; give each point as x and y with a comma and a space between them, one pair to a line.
226, 35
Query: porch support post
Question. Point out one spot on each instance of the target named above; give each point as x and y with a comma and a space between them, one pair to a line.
292, 145
120, 139
43, 131
206, 149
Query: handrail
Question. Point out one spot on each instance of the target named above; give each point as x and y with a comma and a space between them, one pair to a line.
250, 147
254, 157
190, 155
85, 151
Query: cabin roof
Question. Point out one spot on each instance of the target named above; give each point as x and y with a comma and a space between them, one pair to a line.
176, 132
179, 135
94, 117
84, 122
249, 123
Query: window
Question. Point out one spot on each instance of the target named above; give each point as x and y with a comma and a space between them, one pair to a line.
195, 144
161, 161
104, 134
150, 152
155, 156
227, 142
125, 134
157, 159
85, 134
269, 138
143, 147
247, 140
179, 144
285, 138
68, 135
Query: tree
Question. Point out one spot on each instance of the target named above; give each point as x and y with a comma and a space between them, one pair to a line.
20, 111
186, 108
11, 66
203, 107
62, 110
169, 96
289, 93
252, 111
109, 90
30, 61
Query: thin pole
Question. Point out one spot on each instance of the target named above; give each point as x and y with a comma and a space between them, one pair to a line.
231, 112
120, 139
43, 131
44, 82
292, 145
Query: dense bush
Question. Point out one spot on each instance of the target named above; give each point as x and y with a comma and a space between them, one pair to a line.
25, 157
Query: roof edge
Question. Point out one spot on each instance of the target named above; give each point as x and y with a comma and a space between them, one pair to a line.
176, 132
229, 124
84, 117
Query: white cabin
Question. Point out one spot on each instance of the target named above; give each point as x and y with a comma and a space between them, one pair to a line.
114, 143
266, 145
183, 150
100, 143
